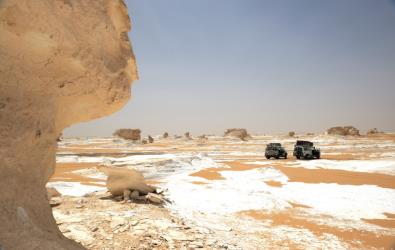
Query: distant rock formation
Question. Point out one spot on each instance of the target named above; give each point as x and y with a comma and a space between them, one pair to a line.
187, 136
61, 63
291, 134
344, 131
240, 133
373, 131
203, 137
128, 134
150, 139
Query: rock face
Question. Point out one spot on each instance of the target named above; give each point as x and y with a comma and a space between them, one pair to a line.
61, 62
344, 131
128, 134
240, 133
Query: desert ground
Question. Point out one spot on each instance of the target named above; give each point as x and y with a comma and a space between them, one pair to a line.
224, 194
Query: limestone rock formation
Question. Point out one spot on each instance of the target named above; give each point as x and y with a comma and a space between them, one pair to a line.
344, 131
150, 139
373, 131
61, 62
202, 137
120, 180
128, 134
240, 133
187, 136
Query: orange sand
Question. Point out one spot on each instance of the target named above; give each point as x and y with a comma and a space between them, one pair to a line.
298, 174
199, 183
388, 223
209, 174
350, 235
274, 183
63, 172
296, 205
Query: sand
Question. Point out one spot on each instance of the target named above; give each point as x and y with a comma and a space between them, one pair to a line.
220, 184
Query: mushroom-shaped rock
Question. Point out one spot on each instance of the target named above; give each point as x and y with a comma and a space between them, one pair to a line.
53, 73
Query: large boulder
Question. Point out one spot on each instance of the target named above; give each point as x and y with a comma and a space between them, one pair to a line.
344, 131
239, 133
120, 180
128, 134
61, 63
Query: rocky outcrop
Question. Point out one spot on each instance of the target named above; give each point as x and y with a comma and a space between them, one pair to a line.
150, 139
120, 180
240, 133
128, 134
344, 131
61, 62
187, 136
373, 131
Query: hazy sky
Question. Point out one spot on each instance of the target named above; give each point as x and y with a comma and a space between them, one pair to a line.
268, 66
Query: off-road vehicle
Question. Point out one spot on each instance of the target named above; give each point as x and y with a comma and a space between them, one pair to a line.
306, 150
275, 150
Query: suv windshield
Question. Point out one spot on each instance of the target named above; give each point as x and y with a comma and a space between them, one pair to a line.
304, 143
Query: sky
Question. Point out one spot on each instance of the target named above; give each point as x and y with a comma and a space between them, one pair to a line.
270, 66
